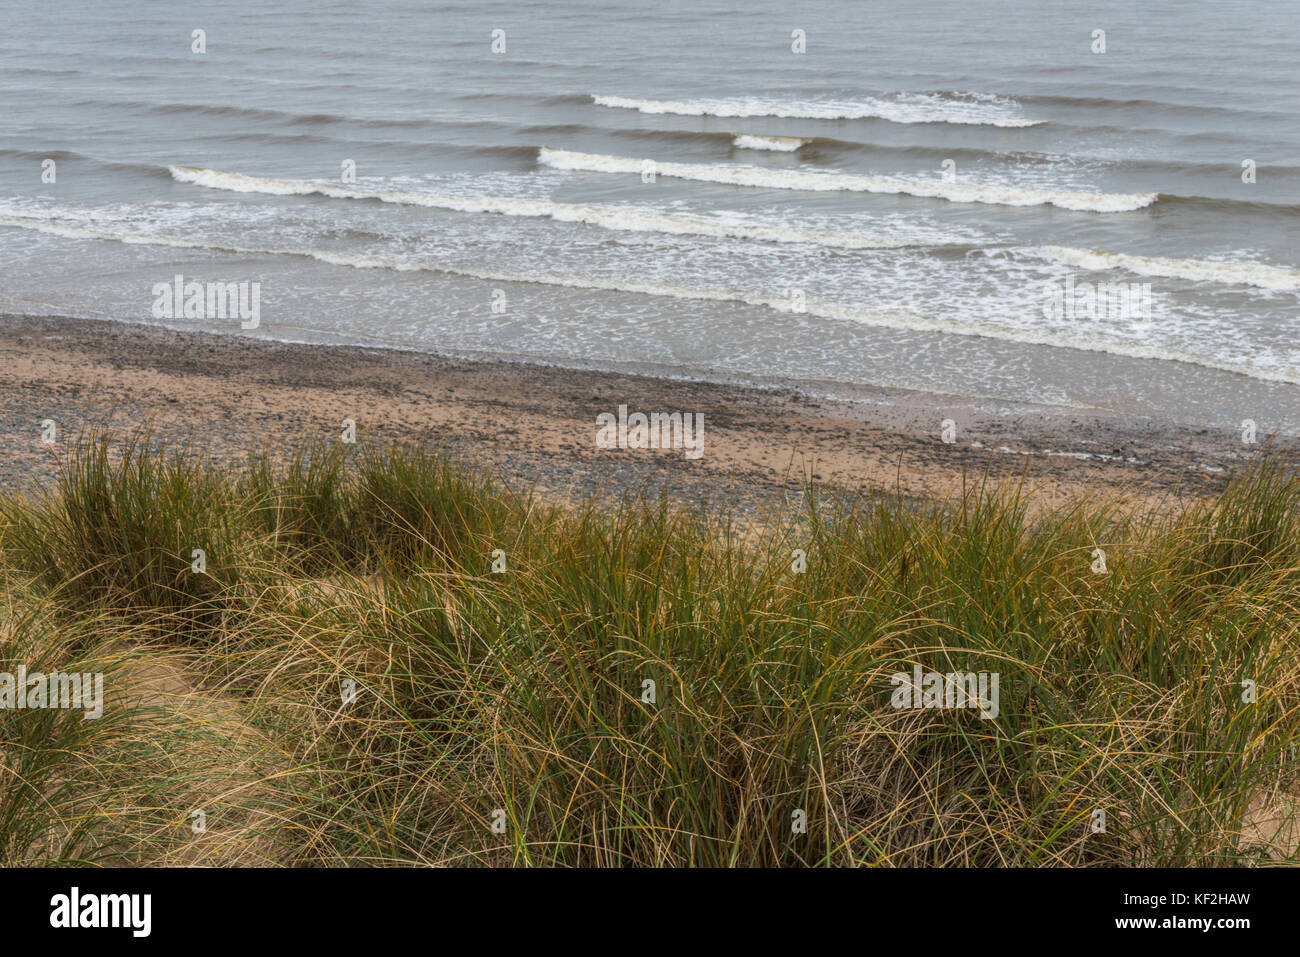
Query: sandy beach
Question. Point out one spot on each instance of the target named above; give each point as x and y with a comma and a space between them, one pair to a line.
536, 425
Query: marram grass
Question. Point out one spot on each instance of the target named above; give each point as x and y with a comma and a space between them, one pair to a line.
392, 659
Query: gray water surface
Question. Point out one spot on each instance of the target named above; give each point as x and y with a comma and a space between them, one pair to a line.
516, 178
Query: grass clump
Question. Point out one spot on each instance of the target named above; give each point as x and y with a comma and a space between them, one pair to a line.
428, 653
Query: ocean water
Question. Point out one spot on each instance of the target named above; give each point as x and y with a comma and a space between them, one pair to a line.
913, 201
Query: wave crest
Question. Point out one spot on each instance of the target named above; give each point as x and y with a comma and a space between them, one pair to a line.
963, 109
816, 180
1261, 275
616, 217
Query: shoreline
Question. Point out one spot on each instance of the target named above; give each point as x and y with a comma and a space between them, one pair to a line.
536, 424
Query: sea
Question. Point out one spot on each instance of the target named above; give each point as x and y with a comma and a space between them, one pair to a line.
1092, 205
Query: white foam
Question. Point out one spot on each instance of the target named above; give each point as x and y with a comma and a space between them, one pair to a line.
878, 317
619, 217
1081, 456
1233, 273
777, 144
817, 180
966, 109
